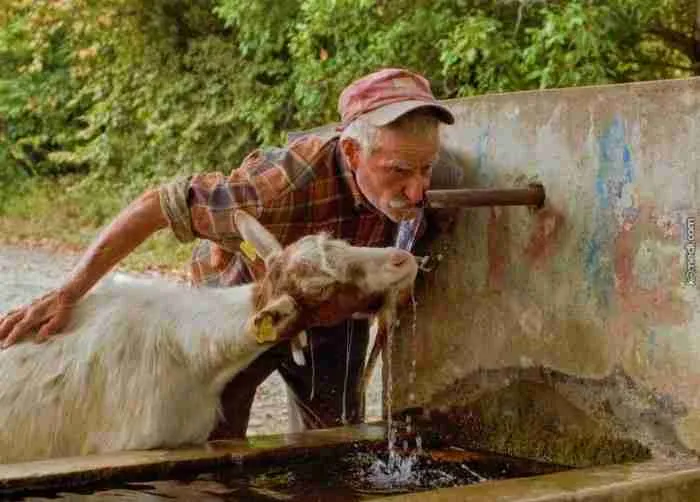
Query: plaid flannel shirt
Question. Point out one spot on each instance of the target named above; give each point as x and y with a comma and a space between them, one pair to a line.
302, 189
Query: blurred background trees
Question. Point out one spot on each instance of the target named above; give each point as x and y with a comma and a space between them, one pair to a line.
103, 98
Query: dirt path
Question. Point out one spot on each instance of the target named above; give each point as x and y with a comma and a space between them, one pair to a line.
26, 274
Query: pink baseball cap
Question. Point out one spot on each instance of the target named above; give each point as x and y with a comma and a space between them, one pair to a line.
386, 95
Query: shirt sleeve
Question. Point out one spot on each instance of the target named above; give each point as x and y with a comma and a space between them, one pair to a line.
173, 203
202, 206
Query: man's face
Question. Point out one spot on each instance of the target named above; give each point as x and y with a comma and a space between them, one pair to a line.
396, 174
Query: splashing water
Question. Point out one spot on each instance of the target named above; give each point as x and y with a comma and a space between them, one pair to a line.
406, 472
397, 471
399, 464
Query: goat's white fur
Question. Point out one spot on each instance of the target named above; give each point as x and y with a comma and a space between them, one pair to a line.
143, 362
142, 365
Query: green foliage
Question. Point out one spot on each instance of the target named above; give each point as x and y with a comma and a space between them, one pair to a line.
124, 94
36, 98
481, 55
576, 45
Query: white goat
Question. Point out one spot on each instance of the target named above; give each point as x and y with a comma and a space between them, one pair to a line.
143, 363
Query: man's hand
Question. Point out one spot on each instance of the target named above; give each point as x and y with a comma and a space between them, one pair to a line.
49, 314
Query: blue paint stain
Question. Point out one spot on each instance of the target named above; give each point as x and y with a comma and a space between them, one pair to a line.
481, 154
616, 170
602, 193
592, 252
600, 274
627, 163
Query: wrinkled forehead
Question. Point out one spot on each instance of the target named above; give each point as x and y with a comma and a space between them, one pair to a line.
410, 148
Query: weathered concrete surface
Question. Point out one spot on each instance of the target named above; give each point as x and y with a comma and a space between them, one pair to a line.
645, 482
564, 333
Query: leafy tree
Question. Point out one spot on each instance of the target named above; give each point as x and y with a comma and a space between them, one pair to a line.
126, 93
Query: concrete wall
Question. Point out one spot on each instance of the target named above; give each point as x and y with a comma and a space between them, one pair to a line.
571, 333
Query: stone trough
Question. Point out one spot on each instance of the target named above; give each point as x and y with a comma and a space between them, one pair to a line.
562, 342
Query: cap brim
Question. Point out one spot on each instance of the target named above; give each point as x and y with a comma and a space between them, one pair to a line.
389, 113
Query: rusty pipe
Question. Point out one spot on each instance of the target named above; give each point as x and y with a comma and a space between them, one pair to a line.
534, 195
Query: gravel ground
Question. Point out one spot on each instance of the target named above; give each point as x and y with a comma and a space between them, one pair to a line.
27, 274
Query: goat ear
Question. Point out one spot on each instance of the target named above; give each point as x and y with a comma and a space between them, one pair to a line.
252, 231
273, 322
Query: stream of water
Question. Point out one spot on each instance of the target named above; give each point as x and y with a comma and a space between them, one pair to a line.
400, 467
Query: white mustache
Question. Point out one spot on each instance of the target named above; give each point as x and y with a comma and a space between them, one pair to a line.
402, 203
399, 203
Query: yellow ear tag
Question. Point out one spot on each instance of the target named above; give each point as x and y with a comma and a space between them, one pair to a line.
266, 331
249, 250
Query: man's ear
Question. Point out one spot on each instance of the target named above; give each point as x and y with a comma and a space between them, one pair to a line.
263, 242
273, 322
351, 150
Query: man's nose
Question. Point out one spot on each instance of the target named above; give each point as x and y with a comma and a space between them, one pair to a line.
415, 189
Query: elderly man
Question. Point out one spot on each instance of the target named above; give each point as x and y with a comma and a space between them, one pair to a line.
364, 185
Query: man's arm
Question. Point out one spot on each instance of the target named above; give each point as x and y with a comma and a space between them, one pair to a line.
200, 206
50, 313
